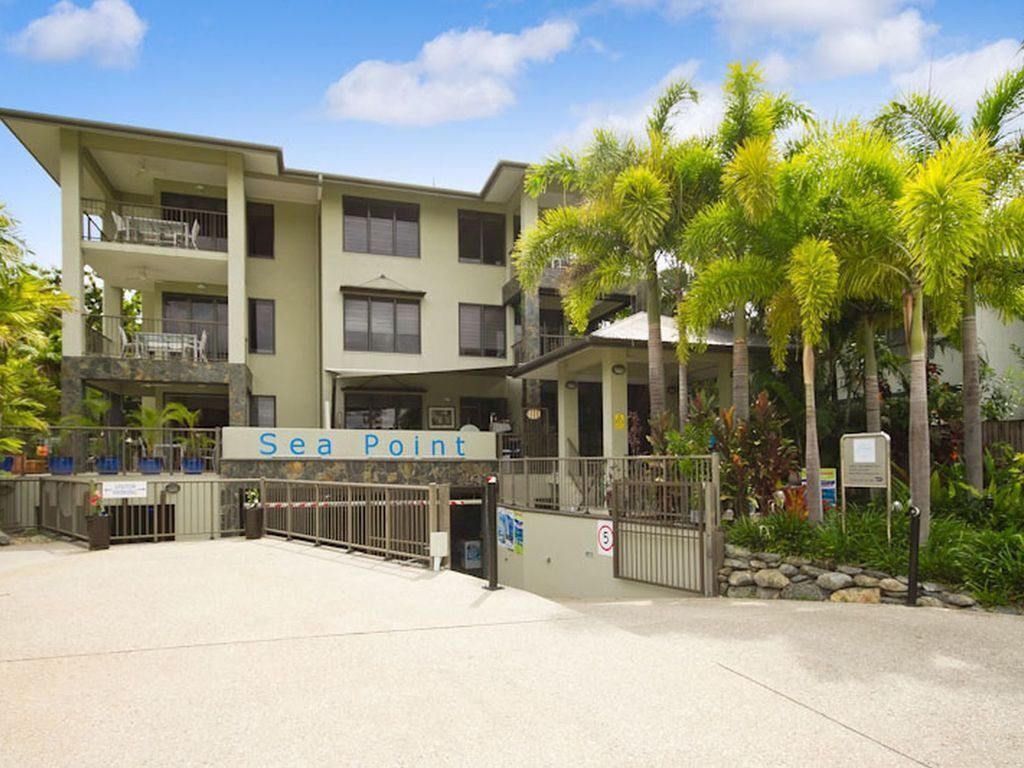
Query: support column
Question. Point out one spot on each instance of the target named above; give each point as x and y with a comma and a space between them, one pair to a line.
614, 403
113, 302
237, 299
72, 282
531, 309
568, 415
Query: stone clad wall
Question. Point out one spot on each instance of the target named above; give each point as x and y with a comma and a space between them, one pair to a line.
422, 472
769, 576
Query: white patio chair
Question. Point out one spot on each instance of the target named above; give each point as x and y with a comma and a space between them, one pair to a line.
201, 349
190, 237
128, 348
120, 226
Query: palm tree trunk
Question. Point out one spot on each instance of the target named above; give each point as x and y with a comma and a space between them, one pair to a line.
920, 450
655, 353
872, 395
972, 392
812, 455
740, 364
684, 396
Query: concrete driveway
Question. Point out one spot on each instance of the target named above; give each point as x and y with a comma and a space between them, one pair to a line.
265, 652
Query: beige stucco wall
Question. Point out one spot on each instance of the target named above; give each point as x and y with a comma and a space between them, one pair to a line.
438, 272
560, 559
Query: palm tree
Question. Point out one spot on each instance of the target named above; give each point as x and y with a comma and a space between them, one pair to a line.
626, 217
989, 273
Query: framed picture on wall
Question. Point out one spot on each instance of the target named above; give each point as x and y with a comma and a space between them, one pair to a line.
441, 417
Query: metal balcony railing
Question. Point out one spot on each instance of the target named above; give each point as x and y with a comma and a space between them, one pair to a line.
112, 221
189, 340
547, 343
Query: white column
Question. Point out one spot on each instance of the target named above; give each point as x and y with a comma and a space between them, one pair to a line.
614, 414
568, 415
73, 332
113, 301
237, 299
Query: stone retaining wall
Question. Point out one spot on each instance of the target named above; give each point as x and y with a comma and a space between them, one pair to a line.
768, 576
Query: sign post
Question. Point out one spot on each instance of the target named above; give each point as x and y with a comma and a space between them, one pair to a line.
490, 529
865, 463
915, 544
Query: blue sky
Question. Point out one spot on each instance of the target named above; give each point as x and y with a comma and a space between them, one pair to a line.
437, 92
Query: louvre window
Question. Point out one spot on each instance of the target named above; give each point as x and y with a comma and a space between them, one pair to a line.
481, 330
263, 411
381, 410
261, 326
381, 227
381, 324
259, 219
481, 237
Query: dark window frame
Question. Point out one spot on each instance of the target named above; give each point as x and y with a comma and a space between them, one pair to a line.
377, 400
483, 351
251, 207
479, 219
254, 347
253, 410
370, 203
351, 345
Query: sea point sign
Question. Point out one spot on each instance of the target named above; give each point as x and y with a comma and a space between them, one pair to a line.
249, 443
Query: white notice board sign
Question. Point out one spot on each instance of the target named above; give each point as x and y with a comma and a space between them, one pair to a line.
123, 489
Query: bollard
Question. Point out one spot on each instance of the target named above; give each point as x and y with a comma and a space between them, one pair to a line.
915, 545
490, 529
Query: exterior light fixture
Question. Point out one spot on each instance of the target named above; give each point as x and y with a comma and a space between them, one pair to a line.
618, 369
570, 385
533, 414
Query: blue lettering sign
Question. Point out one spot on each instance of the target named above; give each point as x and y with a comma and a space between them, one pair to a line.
435, 445
370, 442
297, 446
459, 442
324, 447
395, 447
267, 445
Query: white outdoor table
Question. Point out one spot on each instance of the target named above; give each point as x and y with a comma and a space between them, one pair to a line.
151, 230
163, 344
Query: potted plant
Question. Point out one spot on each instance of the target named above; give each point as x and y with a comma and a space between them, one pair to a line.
194, 444
61, 457
104, 445
97, 522
151, 424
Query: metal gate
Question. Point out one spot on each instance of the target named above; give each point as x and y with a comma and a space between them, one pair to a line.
666, 523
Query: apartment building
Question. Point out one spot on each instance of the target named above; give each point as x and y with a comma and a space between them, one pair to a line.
274, 296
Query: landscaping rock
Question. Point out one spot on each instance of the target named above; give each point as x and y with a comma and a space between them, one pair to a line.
811, 570
797, 561
834, 580
876, 574
757, 564
804, 590
731, 550
788, 570
732, 562
930, 602
769, 557
902, 580
856, 595
960, 600
4, 539
850, 570
767, 594
771, 578
740, 579
931, 586
750, 591
863, 580
724, 572
799, 578
892, 585
894, 600
723, 589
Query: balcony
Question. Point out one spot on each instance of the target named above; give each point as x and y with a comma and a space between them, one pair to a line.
162, 226
187, 340
547, 343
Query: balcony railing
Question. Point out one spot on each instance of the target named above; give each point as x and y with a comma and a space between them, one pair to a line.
111, 221
548, 343
156, 339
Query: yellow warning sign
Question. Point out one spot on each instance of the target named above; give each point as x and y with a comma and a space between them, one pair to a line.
620, 420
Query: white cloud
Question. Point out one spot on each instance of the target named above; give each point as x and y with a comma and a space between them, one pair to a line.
108, 31
961, 78
793, 17
630, 118
459, 75
895, 41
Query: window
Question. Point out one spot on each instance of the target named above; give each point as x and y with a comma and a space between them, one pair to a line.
197, 315
481, 237
377, 226
262, 411
261, 326
382, 410
481, 330
479, 410
259, 221
382, 324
